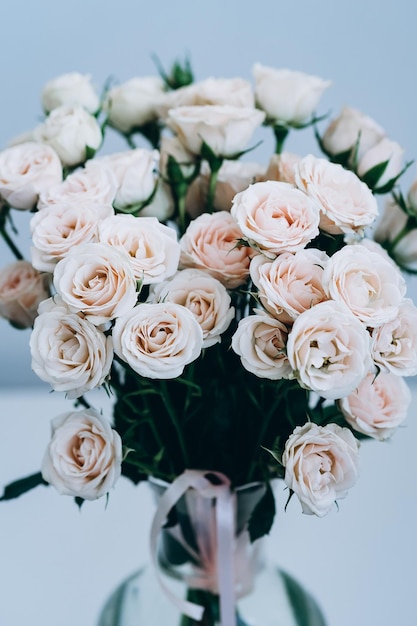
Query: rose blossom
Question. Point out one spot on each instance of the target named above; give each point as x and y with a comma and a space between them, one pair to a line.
25, 171
282, 167
329, 350
378, 405
73, 89
84, 456
172, 146
69, 352
321, 464
70, 130
391, 224
152, 247
412, 197
158, 340
204, 296
346, 203
371, 286
384, 150
96, 279
210, 244
275, 217
287, 97
134, 103
260, 341
91, 185
225, 129
22, 288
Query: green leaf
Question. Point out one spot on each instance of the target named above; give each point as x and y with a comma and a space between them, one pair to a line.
89, 152
305, 609
79, 501
263, 515
21, 486
372, 176
213, 160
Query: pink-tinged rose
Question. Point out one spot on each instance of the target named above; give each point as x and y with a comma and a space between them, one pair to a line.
97, 280
91, 186
384, 151
84, 457
73, 89
282, 167
260, 341
69, 352
152, 247
57, 228
350, 132
22, 289
321, 465
329, 350
369, 284
70, 130
391, 224
134, 103
346, 203
226, 129
378, 406
210, 244
204, 296
26, 170
286, 96
291, 283
394, 347
275, 217
157, 340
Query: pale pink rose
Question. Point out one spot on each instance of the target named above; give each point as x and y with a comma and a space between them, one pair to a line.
226, 129
394, 347
391, 224
275, 217
57, 228
291, 283
412, 197
73, 88
321, 465
371, 286
152, 247
286, 96
22, 288
378, 406
70, 130
84, 456
92, 185
384, 150
346, 203
204, 296
351, 130
260, 341
69, 352
158, 340
210, 244
282, 167
26, 170
172, 146
329, 350
97, 280
134, 103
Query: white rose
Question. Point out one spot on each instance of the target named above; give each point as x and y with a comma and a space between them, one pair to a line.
69, 352
73, 89
225, 129
97, 280
287, 97
162, 205
84, 456
321, 464
329, 350
89, 185
134, 103
378, 406
370, 285
158, 340
260, 341
282, 167
391, 224
70, 130
57, 228
153, 248
275, 217
384, 151
351, 130
26, 170
22, 288
346, 203
204, 296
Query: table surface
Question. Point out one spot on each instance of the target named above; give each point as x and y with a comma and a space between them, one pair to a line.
58, 564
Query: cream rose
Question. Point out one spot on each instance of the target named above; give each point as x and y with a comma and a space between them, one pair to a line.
134, 103
329, 350
204, 296
282, 167
321, 465
391, 224
69, 352
97, 280
384, 151
22, 288
73, 89
378, 406
84, 456
158, 340
275, 217
210, 244
287, 97
89, 185
25, 171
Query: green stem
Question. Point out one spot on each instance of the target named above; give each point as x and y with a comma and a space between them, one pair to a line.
130, 142
15, 250
181, 211
214, 172
173, 416
280, 133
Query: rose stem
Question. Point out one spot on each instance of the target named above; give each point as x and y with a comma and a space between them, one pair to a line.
173, 416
